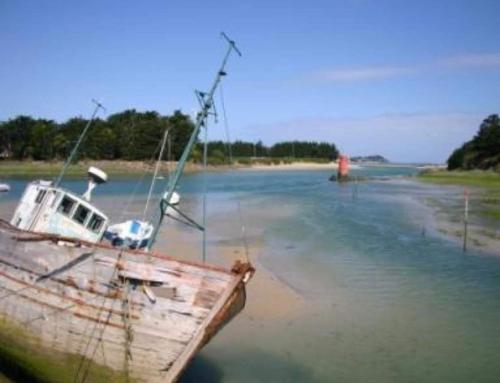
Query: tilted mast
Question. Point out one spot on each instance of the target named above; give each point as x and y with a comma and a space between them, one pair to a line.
206, 102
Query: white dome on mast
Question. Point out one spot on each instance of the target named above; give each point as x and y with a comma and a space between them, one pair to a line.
96, 177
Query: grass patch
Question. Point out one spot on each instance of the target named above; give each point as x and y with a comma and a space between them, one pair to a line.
494, 213
486, 179
118, 168
52, 169
27, 169
486, 198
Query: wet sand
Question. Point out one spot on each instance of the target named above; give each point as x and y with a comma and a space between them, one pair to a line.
299, 166
447, 219
295, 166
479, 237
267, 296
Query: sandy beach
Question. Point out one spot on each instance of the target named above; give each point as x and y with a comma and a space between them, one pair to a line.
332, 166
294, 166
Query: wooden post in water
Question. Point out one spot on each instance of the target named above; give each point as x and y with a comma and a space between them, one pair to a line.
355, 189
466, 217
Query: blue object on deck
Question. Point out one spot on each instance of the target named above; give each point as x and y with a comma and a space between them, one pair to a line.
135, 226
134, 234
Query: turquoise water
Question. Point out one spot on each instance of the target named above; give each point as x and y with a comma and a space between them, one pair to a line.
386, 297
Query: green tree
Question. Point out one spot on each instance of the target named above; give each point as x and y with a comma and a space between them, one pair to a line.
181, 127
41, 146
17, 136
483, 151
456, 160
71, 130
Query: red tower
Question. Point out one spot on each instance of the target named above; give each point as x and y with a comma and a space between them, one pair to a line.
343, 170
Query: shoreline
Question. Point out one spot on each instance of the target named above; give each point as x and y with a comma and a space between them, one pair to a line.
24, 169
299, 165
122, 168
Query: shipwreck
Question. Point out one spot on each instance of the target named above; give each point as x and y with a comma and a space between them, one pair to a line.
99, 311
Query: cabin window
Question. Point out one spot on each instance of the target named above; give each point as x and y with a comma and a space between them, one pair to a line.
66, 205
81, 214
40, 195
95, 223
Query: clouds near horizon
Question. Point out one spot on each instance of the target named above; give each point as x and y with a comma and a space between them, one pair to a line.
398, 137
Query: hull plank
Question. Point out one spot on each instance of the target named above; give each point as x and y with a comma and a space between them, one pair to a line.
140, 315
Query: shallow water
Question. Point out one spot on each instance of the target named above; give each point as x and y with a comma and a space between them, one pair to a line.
387, 298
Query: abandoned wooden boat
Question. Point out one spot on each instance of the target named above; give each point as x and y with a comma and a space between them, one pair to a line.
98, 312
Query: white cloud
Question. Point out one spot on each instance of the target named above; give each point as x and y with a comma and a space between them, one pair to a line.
471, 61
486, 60
360, 74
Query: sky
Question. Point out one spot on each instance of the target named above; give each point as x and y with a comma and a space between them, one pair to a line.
410, 80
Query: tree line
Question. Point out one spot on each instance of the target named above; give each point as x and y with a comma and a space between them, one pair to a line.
129, 135
288, 149
133, 135
483, 151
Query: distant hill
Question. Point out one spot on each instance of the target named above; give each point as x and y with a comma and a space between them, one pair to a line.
483, 151
374, 158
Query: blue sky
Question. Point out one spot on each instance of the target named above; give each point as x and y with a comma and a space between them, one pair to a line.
408, 80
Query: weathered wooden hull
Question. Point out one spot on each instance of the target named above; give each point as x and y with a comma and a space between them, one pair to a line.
140, 315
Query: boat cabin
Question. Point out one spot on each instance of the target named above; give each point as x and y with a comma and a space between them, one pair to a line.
44, 208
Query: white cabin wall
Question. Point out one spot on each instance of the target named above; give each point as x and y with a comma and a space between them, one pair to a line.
57, 223
27, 208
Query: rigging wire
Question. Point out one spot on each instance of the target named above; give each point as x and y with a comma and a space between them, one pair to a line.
85, 363
204, 219
132, 197
230, 152
155, 174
